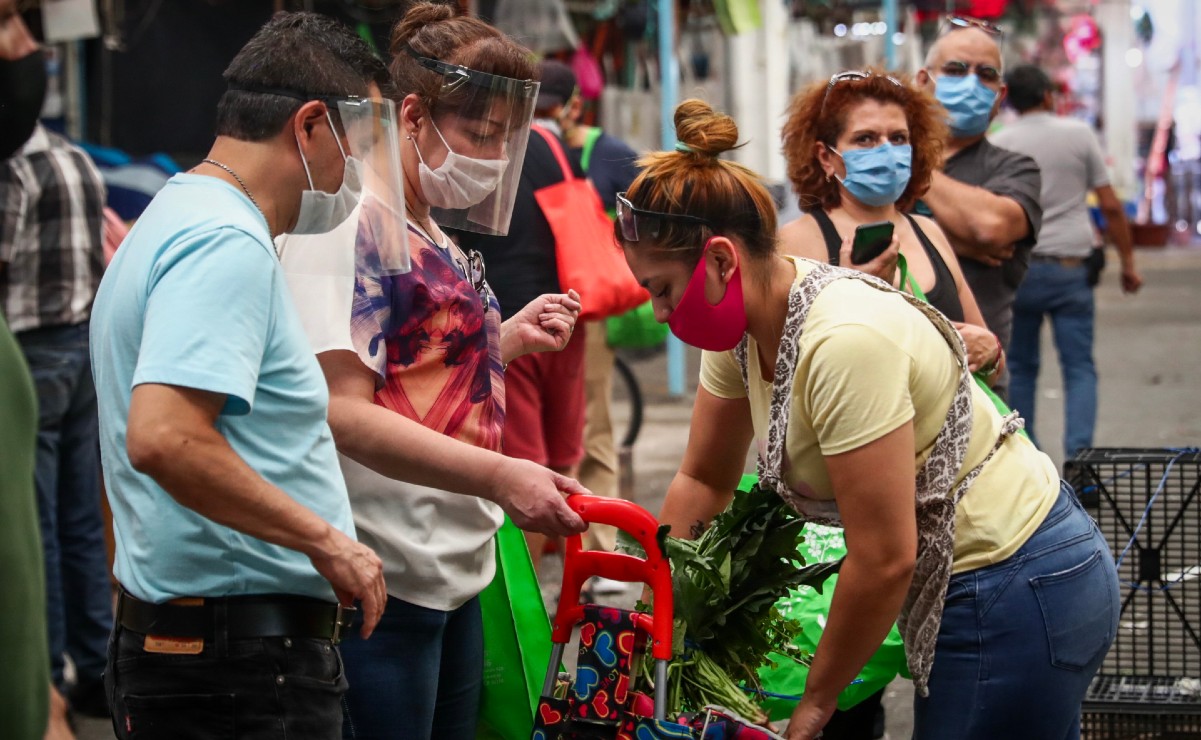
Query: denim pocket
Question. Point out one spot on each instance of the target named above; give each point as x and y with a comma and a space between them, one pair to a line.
181, 717
1078, 610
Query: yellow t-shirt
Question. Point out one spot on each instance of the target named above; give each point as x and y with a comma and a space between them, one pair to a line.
869, 362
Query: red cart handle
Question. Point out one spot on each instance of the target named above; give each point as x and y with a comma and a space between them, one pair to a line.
579, 565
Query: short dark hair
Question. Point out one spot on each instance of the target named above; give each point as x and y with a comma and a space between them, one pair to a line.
558, 85
1028, 86
306, 54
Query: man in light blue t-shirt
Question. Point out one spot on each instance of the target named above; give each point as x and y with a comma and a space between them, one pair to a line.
234, 536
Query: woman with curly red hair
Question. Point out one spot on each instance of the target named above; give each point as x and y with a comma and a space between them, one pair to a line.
864, 146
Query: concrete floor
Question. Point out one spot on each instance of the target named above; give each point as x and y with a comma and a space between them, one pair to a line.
1148, 351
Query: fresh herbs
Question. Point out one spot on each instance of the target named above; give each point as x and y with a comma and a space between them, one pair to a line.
725, 587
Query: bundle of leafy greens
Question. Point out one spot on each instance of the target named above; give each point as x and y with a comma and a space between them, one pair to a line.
725, 585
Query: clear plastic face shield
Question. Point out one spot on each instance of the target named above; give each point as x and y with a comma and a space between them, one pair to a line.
481, 123
362, 226
371, 130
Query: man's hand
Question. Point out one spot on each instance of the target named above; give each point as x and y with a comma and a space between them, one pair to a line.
982, 345
356, 573
533, 497
545, 325
994, 255
1131, 280
883, 266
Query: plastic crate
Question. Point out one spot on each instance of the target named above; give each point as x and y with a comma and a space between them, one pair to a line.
1149, 687
1104, 725
1156, 492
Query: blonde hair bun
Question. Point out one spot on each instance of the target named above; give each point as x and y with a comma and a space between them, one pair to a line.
704, 130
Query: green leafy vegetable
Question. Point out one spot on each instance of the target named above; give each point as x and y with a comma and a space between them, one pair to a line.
725, 586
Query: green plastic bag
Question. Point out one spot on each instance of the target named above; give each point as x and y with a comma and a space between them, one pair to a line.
784, 682
636, 328
516, 642
907, 280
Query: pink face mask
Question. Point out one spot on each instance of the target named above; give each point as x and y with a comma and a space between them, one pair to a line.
713, 327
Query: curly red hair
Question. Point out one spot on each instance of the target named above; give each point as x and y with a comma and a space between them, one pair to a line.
809, 124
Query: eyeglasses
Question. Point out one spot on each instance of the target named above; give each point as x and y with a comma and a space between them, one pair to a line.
957, 22
473, 270
986, 72
851, 75
639, 223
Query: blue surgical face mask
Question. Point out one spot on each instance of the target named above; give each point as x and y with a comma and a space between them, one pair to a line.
968, 102
877, 176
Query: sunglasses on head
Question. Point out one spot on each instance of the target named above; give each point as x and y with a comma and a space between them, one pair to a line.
473, 270
639, 223
957, 22
851, 76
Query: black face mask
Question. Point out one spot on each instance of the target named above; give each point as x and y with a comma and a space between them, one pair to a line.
22, 92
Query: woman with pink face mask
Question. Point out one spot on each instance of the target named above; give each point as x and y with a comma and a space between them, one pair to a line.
864, 414
415, 366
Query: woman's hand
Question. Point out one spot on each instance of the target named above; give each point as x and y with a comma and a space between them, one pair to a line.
545, 325
884, 266
983, 349
808, 719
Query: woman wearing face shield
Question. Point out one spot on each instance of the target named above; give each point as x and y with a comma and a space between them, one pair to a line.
417, 387
864, 145
859, 400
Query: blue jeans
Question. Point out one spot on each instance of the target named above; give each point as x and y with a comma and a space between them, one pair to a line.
419, 675
270, 688
79, 600
1063, 294
1020, 640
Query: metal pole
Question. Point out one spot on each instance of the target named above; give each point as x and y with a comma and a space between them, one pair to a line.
890, 20
669, 80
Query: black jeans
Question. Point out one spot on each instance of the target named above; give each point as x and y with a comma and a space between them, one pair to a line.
273, 687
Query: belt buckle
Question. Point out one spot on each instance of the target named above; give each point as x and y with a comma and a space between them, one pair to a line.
343, 618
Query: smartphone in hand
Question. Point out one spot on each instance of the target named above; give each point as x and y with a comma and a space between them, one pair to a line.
870, 241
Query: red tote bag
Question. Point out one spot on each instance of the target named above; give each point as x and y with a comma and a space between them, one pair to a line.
589, 259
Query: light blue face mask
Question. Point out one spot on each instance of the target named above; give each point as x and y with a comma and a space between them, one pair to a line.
877, 176
968, 102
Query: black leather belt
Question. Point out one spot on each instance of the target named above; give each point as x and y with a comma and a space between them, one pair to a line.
238, 617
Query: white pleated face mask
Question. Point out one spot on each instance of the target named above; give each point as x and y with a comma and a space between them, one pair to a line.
321, 212
459, 182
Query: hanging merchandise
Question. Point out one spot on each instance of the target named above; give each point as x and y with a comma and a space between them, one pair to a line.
738, 16
589, 77
543, 26
1083, 37
69, 20
632, 113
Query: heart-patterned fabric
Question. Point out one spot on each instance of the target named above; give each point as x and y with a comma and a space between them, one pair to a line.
598, 701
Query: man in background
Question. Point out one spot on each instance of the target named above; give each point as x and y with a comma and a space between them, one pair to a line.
1063, 266
51, 259
985, 198
611, 165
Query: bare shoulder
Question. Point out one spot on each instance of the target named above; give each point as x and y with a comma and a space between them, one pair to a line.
802, 238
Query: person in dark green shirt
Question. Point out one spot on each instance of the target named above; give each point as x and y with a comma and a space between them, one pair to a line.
25, 680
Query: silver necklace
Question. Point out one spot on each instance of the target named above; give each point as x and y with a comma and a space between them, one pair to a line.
245, 189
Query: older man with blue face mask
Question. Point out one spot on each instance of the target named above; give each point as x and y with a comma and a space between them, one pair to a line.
985, 198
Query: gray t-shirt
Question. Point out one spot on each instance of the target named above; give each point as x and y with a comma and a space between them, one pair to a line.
1072, 164
1015, 176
